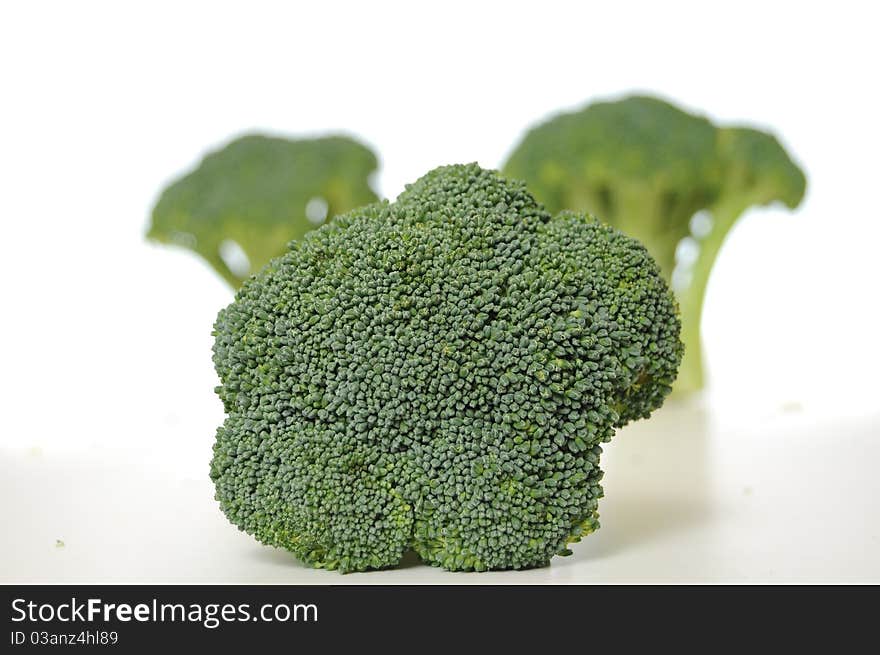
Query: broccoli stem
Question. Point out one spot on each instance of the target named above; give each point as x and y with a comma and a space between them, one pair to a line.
691, 373
212, 255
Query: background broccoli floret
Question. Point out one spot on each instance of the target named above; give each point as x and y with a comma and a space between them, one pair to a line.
258, 193
437, 374
647, 167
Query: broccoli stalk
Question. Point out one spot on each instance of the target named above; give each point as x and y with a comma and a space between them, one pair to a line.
647, 167
756, 171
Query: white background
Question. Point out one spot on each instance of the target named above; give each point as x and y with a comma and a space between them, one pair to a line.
106, 339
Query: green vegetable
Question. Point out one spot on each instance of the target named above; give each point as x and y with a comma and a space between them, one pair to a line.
257, 194
648, 168
437, 374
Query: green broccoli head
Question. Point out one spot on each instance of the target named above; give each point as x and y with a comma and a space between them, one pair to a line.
647, 167
437, 374
756, 170
261, 192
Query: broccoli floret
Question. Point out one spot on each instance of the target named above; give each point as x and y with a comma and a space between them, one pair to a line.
259, 192
437, 374
647, 168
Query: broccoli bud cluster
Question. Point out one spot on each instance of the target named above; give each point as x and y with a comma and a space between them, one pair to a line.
437, 374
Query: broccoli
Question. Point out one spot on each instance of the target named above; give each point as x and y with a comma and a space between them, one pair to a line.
256, 194
649, 168
437, 375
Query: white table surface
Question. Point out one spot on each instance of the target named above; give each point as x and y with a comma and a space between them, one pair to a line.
779, 496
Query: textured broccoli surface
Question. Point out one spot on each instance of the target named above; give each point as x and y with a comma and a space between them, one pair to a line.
258, 193
437, 374
647, 167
